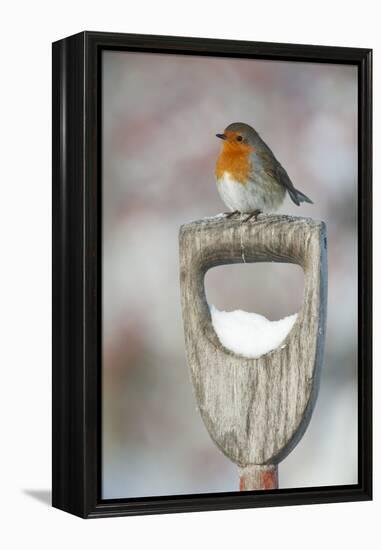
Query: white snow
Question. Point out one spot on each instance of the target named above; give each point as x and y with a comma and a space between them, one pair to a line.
249, 334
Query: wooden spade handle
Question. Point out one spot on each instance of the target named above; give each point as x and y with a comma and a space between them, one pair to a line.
255, 410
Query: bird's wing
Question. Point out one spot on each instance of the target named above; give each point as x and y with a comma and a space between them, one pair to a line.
275, 170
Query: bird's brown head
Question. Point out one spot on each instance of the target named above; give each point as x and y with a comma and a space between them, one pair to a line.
239, 137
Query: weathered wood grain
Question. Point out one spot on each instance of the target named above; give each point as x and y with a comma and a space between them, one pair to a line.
256, 410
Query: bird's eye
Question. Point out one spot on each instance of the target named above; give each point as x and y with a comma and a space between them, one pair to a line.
239, 138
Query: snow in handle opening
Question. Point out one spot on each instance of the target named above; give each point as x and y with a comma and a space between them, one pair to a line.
249, 334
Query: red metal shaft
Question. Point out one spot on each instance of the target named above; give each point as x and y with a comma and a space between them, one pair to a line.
256, 478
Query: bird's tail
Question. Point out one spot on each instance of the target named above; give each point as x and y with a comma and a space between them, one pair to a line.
298, 197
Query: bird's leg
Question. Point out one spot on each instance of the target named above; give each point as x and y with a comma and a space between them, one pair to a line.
254, 215
231, 214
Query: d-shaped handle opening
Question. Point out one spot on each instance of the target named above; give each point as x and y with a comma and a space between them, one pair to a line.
216, 327
254, 307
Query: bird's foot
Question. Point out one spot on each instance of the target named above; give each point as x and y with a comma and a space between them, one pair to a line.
231, 214
254, 215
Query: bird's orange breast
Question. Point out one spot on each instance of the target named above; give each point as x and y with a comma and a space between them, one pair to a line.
236, 161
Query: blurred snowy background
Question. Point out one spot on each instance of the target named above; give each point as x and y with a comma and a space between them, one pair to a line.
160, 117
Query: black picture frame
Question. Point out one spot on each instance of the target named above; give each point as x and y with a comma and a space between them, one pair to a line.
77, 254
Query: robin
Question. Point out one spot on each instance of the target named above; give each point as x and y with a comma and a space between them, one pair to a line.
249, 178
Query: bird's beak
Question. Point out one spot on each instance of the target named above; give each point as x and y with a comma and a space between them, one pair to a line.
221, 136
